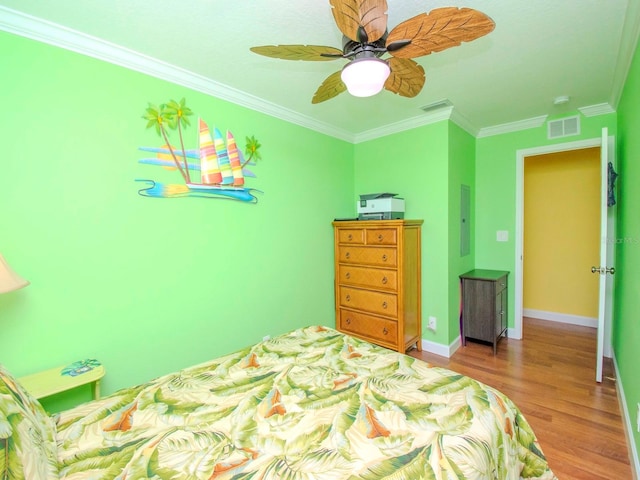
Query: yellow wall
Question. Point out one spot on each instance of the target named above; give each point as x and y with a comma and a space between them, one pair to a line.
562, 232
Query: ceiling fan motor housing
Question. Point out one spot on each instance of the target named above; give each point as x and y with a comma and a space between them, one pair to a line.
352, 48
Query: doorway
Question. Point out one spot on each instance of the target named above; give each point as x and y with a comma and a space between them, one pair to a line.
516, 332
561, 236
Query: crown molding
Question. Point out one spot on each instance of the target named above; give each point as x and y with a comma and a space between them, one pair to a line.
50, 33
595, 110
588, 111
512, 126
629, 40
408, 124
464, 123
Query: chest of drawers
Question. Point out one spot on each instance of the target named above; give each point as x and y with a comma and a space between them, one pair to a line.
377, 281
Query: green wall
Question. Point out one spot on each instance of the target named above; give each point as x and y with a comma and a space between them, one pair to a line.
496, 190
462, 153
150, 285
626, 332
425, 166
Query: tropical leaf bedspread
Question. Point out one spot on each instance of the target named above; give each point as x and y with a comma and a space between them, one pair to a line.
311, 404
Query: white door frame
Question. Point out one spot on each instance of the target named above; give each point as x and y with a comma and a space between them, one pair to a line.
516, 332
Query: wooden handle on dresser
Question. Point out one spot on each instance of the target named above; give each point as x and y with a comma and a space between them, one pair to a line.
349, 237
348, 321
347, 255
384, 257
384, 305
384, 280
385, 331
348, 298
347, 275
380, 237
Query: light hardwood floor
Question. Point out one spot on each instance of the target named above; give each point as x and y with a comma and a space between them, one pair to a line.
550, 375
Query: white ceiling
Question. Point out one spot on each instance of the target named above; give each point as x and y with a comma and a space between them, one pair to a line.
539, 50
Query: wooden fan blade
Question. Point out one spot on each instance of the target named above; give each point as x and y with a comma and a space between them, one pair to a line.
438, 30
361, 18
406, 78
332, 86
299, 52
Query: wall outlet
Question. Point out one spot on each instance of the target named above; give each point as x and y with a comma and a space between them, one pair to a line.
432, 324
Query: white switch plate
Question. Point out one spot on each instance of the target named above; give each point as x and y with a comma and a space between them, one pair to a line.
502, 236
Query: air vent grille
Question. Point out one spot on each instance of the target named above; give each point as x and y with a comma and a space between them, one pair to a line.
565, 127
437, 105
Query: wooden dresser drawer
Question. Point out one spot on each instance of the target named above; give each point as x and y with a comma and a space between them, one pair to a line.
375, 302
351, 235
381, 236
368, 277
368, 326
376, 256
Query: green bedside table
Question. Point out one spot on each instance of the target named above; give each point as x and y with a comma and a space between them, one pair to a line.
61, 379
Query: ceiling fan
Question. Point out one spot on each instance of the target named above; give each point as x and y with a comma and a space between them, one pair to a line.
366, 39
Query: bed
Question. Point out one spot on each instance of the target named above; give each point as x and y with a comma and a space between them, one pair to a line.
309, 404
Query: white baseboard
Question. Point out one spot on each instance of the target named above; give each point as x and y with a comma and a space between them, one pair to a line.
439, 349
561, 317
626, 420
513, 334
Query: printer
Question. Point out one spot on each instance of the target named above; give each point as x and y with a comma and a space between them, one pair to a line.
380, 206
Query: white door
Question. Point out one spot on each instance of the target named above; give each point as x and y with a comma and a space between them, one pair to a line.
607, 251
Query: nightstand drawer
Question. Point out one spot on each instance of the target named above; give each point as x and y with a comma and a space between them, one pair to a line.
501, 284
375, 302
368, 277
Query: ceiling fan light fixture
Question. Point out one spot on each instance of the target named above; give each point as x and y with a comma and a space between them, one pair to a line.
365, 77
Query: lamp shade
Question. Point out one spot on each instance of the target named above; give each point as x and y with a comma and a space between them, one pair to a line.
365, 77
9, 280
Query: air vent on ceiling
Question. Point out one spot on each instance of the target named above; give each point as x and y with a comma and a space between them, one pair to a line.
437, 105
564, 127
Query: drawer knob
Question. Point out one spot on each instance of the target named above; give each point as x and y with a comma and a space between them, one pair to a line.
384, 257
347, 255
348, 321
348, 298
347, 275
385, 331
384, 280
350, 237
380, 237
384, 305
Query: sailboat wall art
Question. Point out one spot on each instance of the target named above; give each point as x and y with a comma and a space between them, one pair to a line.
215, 169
